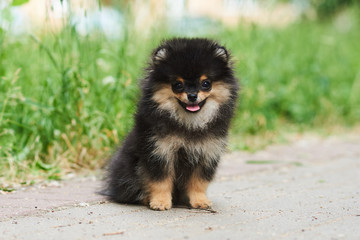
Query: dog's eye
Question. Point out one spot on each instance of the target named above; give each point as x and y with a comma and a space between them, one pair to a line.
205, 84
178, 86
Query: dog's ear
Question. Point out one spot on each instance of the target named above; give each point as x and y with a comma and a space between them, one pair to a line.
159, 55
222, 53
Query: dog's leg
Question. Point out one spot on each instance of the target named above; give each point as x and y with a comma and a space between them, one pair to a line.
196, 191
160, 194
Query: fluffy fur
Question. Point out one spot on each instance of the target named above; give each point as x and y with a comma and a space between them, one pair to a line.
181, 126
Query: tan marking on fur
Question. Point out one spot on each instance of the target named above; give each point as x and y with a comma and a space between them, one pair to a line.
203, 77
167, 100
207, 150
196, 191
182, 97
160, 194
220, 92
163, 94
203, 95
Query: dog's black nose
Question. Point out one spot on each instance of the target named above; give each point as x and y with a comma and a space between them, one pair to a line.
192, 97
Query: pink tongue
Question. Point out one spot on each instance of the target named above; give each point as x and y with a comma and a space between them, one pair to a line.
193, 108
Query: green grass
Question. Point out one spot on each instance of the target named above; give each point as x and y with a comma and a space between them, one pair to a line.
306, 76
66, 100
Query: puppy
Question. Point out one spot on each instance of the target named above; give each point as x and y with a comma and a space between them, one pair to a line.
181, 127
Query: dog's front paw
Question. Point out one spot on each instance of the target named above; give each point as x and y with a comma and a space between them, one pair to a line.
160, 204
202, 203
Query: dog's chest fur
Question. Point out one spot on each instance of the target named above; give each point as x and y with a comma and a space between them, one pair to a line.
204, 151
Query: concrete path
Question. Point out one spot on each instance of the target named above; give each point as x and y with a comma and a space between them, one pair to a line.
306, 190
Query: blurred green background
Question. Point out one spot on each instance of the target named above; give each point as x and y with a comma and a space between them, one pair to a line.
69, 73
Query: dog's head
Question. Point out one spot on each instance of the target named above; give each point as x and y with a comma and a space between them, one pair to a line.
191, 79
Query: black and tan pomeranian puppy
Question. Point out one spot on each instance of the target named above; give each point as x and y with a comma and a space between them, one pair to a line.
181, 127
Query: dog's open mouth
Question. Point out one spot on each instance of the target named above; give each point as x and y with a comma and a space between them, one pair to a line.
193, 108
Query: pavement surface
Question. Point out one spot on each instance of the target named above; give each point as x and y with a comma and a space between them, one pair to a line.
309, 189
